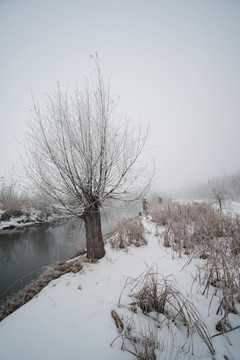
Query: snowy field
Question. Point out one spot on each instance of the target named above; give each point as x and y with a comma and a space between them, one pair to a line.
71, 317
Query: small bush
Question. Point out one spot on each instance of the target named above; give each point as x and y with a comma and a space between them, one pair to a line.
128, 232
10, 213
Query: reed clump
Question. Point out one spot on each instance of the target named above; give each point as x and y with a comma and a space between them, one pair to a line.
129, 232
200, 230
190, 226
158, 305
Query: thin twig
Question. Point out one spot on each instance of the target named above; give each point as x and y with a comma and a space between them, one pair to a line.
225, 332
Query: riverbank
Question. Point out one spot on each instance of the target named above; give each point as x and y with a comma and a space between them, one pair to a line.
26, 251
97, 312
19, 219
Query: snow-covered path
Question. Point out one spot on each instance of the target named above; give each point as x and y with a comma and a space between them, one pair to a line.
71, 317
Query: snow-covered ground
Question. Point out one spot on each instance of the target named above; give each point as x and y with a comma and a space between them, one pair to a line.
232, 207
71, 318
28, 218
21, 221
35, 217
229, 207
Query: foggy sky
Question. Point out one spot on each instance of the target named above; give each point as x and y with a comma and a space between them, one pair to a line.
175, 65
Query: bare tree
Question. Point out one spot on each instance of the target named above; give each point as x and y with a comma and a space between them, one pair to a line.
219, 191
79, 154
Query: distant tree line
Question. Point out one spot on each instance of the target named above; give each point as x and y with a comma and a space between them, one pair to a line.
217, 188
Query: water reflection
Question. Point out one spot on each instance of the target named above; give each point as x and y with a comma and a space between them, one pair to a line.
24, 253
30, 249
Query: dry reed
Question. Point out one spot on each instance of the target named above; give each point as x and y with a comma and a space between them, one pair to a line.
129, 232
158, 300
200, 230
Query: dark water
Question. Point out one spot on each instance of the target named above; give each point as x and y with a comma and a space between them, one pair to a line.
24, 253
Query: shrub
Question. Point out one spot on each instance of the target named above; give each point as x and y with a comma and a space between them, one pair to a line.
10, 213
128, 232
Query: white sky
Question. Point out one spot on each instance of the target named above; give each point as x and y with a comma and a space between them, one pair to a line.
175, 65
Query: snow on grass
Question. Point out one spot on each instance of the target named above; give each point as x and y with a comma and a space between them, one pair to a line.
71, 317
28, 218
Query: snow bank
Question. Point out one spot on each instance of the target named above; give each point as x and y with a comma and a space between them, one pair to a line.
71, 317
28, 218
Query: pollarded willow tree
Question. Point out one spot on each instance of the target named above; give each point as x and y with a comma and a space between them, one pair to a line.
80, 154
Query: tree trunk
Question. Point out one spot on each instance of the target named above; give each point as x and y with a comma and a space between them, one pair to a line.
95, 244
220, 205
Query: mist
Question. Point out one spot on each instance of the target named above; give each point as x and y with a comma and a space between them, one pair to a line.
175, 66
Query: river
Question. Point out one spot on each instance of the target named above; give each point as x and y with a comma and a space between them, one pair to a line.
24, 253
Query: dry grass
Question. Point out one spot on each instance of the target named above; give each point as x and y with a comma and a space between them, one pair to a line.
79, 252
12, 195
201, 231
187, 225
144, 343
195, 225
161, 305
23, 296
197, 230
219, 275
128, 232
